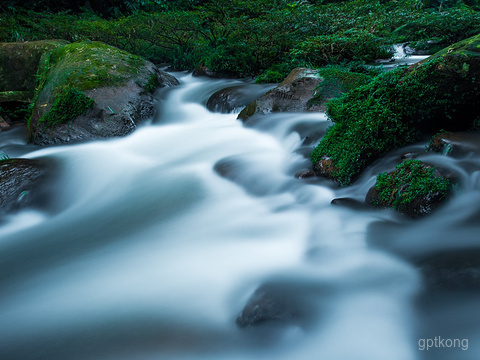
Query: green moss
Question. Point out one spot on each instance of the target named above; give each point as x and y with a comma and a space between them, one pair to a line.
67, 105
67, 72
87, 65
152, 83
396, 107
412, 180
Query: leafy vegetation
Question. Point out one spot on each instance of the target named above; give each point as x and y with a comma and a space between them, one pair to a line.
244, 37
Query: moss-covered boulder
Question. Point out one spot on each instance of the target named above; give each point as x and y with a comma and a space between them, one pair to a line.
21, 183
305, 90
413, 188
90, 90
18, 66
397, 107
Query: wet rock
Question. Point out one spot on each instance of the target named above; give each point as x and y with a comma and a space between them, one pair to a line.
455, 144
409, 156
414, 188
292, 95
304, 174
20, 183
235, 98
305, 90
93, 90
350, 203
324, 167
281, 303
451, 270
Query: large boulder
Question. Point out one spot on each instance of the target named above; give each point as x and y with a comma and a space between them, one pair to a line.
18, 67
398, 107
305, 90
21, 183
90, 90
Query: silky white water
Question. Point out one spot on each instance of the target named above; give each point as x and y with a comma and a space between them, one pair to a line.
153, 243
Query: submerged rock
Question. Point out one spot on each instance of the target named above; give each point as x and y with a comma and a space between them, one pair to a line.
282, 303
414, 188
91, 90
451, 270
20, 183
350, 203
397, 107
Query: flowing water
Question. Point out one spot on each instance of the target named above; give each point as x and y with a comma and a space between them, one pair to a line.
152, 244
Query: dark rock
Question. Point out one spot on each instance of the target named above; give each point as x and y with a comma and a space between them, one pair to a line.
455, 144
349, 203
20, 183
120, 84
304, 174
409, 156
235, 98
306, 90
292, 95
277, 303
414, 188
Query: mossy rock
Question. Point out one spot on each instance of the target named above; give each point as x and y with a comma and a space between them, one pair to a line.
89, 90
413, 188
19, 62
398, 107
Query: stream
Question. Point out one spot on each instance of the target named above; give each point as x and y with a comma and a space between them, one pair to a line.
152, 245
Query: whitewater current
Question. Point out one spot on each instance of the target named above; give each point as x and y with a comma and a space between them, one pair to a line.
152, 244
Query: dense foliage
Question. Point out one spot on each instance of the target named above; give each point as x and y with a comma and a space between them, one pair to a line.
244, 37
